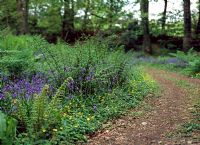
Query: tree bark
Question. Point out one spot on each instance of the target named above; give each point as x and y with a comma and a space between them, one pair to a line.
23, 9
164, 16
187, 26
110, 13
68, 18
144, 7
72, 15
85, 20
198, 24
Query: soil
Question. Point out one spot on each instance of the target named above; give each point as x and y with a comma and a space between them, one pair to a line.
158, 119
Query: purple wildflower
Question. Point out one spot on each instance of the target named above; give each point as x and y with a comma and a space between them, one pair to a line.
147, 59
172, 60
1, 96
25, 87
66, 69
91, 75
89, 78
4, 78
70, 96
94, 108
177, 62
80, 78
83, 70
71, 84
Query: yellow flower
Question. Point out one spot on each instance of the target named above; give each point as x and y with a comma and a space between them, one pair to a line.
61, 128
76, 126
55, 130
14, 101
43, 130
88, 119
64, 114
25, 134
79, 113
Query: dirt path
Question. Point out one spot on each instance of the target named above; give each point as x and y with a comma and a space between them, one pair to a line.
163, 118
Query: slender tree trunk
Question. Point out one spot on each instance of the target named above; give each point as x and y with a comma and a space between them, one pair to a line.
144, 6
72, 15
35, 18
68, 18
19, 10
164, 16
110, 15
187, 26
26, 15
23, 8
7, 18
85, 20
198, 24
65, 19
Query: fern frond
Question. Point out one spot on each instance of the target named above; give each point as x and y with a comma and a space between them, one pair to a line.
39, 107
54, 108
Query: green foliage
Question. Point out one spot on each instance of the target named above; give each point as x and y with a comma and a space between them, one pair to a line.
48, 17
189, 56
89, 84
195, 68
129, 38
92, 56
85, 115
194, 125
17, 62
196, 112
191, 127
51, 23
18, 53
69, 122
41, 113
8, 14
193, 60
186, 63
8, 127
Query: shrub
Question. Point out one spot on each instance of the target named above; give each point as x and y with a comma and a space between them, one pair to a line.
194, 68
19, 53
193, 60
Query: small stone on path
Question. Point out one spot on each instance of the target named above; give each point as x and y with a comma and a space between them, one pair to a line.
144, 123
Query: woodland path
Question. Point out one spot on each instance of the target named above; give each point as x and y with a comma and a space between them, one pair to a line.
158, 119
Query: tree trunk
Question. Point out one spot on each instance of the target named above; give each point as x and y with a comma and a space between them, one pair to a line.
198, 24
187, 26
144, 6
85, 20
23, 8
26, 10
110, 14
72, 15
68, 19
164, 16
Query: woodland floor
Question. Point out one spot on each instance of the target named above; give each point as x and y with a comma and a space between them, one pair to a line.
158, 119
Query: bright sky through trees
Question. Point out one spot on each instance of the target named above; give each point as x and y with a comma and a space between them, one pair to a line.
155, 8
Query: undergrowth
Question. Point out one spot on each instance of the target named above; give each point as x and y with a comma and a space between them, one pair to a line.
59, 93
184, 63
